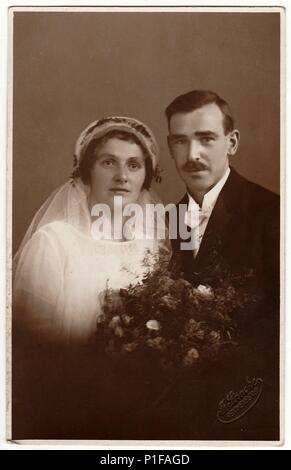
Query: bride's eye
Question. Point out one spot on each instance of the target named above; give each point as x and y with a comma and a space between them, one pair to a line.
134, 165
107, 163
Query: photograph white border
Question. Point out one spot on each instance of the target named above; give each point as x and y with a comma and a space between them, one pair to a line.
6, 129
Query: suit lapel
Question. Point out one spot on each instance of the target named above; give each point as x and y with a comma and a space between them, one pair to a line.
218, 231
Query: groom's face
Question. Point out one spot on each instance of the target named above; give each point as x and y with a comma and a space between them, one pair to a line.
200, 147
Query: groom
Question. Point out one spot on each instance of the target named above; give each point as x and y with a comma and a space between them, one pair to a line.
232, 217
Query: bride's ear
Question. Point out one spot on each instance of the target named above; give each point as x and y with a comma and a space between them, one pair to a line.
233, 142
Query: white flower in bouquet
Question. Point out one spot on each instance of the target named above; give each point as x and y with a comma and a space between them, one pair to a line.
204, 291
156, 343
119, 331
153, 325
100, 319
129, 347
169, 301
126, 319
199, 334
191, 356
115, 321
215, 335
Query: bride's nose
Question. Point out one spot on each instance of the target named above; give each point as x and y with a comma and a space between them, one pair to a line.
121, 175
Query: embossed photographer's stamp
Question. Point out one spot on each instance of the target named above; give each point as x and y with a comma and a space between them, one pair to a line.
237, 404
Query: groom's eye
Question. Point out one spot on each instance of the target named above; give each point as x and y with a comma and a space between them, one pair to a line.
180, 141
206, 140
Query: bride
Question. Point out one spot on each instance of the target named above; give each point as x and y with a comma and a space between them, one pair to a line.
62, 388
64, 264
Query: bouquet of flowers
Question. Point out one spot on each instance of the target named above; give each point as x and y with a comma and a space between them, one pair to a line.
161, 337
171, 321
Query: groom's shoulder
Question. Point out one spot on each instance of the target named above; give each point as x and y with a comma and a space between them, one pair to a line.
254, 193
239, 189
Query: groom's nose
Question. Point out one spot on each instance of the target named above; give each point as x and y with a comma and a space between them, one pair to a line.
194, 150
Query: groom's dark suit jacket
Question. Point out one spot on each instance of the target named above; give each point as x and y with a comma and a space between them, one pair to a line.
243, 232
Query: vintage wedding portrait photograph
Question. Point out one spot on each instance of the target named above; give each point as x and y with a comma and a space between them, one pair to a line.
144, 224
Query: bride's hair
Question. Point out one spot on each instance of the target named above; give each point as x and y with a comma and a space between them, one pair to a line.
85, 166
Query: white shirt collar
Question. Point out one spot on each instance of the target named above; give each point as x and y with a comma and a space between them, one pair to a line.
210, 198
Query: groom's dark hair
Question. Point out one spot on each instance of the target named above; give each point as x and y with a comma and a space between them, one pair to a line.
195, 99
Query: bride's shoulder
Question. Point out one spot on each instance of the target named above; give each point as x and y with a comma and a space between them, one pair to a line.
55, 232
55, 228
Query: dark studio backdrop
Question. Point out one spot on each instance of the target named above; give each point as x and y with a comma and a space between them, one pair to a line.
71, 68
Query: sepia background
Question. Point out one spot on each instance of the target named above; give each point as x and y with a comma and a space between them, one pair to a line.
71, 68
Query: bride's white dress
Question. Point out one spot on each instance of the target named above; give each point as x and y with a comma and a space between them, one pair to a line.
61, 274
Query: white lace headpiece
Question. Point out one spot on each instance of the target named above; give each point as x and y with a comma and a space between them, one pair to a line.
101, 127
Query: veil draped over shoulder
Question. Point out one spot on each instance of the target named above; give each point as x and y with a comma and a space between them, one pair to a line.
68, 203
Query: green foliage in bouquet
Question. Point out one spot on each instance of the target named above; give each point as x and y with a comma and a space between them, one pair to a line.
171, 321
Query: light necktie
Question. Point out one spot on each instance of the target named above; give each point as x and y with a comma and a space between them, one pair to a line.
195, 219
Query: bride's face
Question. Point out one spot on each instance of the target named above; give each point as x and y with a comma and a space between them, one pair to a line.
119, 170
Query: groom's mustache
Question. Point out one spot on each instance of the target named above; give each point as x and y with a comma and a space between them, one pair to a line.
194, 166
